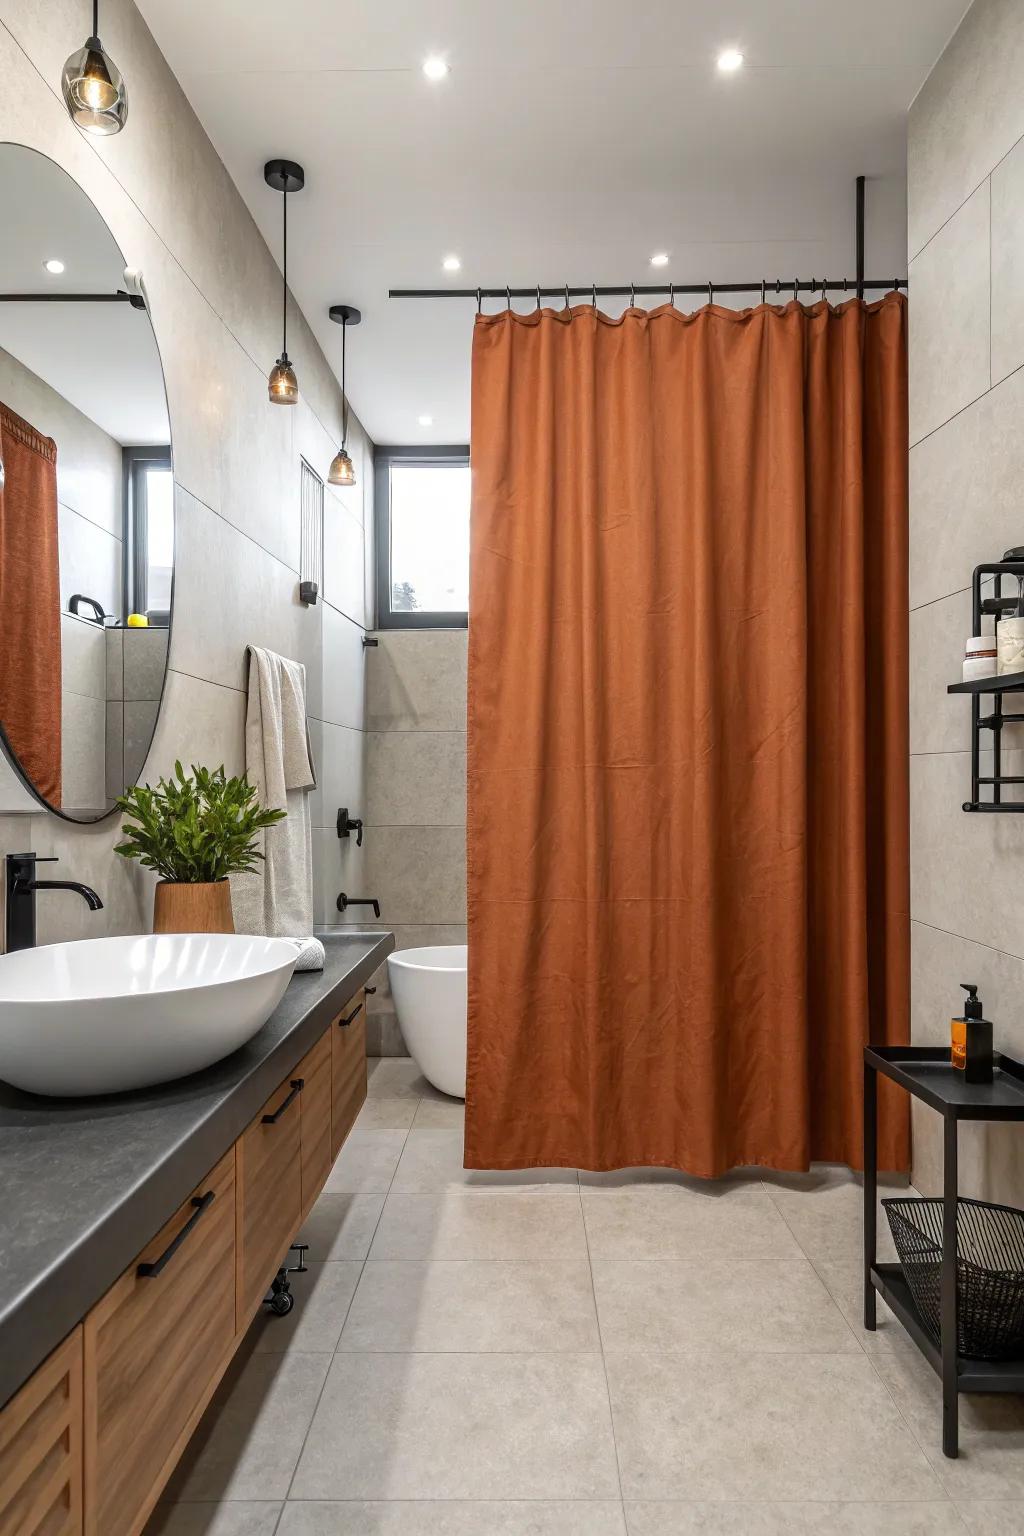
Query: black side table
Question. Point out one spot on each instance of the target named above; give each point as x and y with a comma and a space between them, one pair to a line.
925, 1072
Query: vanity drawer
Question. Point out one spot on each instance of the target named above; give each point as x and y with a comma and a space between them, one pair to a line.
269, 1192
348, 1068
154, 1347
41, 1449
315, 1120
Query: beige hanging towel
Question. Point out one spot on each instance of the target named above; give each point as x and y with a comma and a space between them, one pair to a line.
277, 899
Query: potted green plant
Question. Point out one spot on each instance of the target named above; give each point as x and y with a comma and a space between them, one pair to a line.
194, 830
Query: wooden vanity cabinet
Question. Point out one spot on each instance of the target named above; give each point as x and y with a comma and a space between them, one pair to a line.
41, 1449
269, 1192
89, 1442
315, 1121
154, 1348
348, 1069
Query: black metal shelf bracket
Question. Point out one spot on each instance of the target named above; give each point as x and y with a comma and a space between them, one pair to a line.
995, 688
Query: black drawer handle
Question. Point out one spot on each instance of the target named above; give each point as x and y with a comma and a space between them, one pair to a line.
297, 1085
200, 1203
344, 1023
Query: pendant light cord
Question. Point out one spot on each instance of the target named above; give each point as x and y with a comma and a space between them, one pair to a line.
344, 396
95, 18
284, 282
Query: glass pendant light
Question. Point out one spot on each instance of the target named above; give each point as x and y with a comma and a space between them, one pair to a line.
342, 470
93, 86
284, 176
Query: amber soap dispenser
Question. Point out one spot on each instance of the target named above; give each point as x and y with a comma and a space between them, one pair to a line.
971, 1039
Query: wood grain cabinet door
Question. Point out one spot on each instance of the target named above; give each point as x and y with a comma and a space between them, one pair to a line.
269, 1193
41, 1449
348, 1068
155, 1347
315, 1120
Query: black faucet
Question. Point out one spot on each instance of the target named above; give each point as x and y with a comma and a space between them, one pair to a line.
20, 887
358, 901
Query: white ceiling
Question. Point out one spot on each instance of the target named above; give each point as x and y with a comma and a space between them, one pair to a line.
571, 139
101, 357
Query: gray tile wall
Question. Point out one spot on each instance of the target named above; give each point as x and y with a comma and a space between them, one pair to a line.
215, 297
415, 845
966, 222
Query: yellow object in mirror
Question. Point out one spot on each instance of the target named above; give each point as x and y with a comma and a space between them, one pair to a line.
137, 621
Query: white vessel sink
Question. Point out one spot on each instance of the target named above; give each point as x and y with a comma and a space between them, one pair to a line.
105, 1015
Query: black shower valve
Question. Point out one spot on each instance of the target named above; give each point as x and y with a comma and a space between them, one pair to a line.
348, 824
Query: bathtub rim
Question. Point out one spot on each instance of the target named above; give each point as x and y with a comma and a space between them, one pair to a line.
399, 957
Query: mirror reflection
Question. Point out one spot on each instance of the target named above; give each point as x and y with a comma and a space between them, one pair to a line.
86, 501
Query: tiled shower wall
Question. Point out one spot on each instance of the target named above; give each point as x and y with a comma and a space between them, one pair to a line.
215, 294
966, 243
415, 841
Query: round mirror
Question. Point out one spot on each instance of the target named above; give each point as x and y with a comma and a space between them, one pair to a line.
86, 501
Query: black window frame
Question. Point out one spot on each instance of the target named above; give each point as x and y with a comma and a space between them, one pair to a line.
136, 462
383, 459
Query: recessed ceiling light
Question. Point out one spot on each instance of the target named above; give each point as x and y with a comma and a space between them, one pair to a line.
425, 421
54, 267
659, 259
729, 60
435, 68
451, 263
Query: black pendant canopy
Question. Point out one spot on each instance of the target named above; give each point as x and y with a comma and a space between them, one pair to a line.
284, 176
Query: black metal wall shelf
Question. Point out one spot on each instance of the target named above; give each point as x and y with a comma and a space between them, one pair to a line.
925, 1072
997, 687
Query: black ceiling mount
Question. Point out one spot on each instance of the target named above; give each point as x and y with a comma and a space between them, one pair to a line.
345, 314
284, 175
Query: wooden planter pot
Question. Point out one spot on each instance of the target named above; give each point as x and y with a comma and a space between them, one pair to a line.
182, 908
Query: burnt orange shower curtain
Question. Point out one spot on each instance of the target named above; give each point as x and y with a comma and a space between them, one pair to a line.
30, 651
688, 864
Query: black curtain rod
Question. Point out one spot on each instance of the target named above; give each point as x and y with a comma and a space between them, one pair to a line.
775, 286
134, 299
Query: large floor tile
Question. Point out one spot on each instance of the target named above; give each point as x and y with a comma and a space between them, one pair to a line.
674, 1221
396, 1076
460, 1427
473, 1305
796, 1427
313, 1326
760, 1519
494, 1224
440, 1114
432, 1162
767, 1306
251, 1436
366, 1164
387, 1114
994, 1517
241, 1518
436, 1518
825, 1213
341, 1226
991, 1460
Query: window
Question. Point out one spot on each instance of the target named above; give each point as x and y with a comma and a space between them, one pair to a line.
422, 520
150, 532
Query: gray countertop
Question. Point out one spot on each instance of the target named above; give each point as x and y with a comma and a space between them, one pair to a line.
86, 1183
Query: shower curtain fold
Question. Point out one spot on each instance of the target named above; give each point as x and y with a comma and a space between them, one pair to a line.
30, 638
687, 756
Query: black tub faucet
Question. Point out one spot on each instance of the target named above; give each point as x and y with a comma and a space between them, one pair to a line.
20, 886
344, 902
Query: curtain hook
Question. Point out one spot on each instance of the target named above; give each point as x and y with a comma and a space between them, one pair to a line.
711, 294
796, 290
762, 289
508, 297
672, 294
778, 286
593, 295
479, 301
846, 285
632, 296
566, 305
538, 295
824, 290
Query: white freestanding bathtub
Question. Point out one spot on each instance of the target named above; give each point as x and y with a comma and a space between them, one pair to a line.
429, 989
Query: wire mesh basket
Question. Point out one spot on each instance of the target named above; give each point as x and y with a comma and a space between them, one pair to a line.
989, 1272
